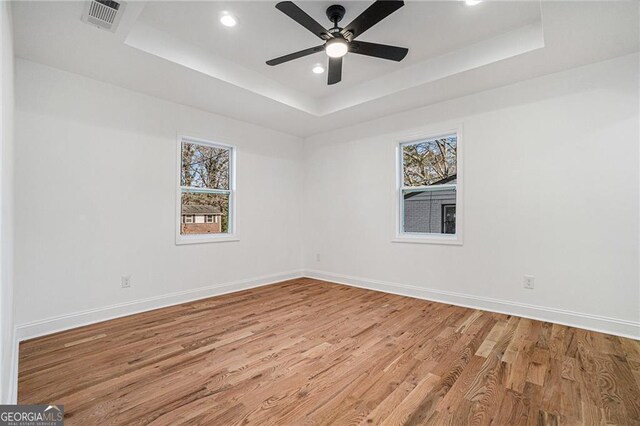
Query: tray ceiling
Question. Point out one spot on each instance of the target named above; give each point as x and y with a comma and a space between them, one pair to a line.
180, 52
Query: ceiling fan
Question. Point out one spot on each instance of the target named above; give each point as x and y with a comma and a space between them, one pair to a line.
338, 41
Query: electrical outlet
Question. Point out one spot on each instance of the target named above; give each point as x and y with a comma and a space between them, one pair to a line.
318, 257
529, 282
126, 281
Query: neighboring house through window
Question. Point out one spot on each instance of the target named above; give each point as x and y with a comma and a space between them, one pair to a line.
429, 189
206, 193
448, 218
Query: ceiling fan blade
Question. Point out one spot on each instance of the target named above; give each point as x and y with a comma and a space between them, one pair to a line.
335, 71
301, 17
393, 53
374, 14
295, 55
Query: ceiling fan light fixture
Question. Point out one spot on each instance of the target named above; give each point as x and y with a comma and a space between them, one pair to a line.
336, 47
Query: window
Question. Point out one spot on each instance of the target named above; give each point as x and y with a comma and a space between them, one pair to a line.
428, 191
206, 189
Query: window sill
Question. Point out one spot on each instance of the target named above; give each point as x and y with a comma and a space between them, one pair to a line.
428, 239
202, 239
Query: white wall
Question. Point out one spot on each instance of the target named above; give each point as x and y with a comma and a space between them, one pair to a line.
95, 200
551, 189
6, 205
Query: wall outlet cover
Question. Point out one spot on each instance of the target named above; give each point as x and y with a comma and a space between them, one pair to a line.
529, 282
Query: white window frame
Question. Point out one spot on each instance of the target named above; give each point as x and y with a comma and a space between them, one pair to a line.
231, 235
420, 237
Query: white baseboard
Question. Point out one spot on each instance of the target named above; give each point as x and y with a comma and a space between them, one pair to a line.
618, 327
91, 316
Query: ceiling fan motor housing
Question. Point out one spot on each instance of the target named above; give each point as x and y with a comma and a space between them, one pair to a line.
335, 13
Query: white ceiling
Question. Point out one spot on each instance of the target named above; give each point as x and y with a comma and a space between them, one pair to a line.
427, 29
178, 51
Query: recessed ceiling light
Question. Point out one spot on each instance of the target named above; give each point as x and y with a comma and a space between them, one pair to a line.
318, 69
228, 20
472, 2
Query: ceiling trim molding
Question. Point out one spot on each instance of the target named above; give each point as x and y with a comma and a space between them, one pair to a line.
508, 45
155, 42
522, 40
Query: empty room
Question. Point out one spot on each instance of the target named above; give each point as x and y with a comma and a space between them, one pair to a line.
320, 212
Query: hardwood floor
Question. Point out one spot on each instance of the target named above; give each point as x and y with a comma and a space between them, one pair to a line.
307, 351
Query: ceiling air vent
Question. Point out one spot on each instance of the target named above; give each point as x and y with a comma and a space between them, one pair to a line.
104, 14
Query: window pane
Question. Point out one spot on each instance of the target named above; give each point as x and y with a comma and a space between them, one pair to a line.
431, 162
198, 206
431, 211
205, 166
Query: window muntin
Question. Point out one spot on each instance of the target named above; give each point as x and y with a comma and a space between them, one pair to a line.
428, 186
206, 190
